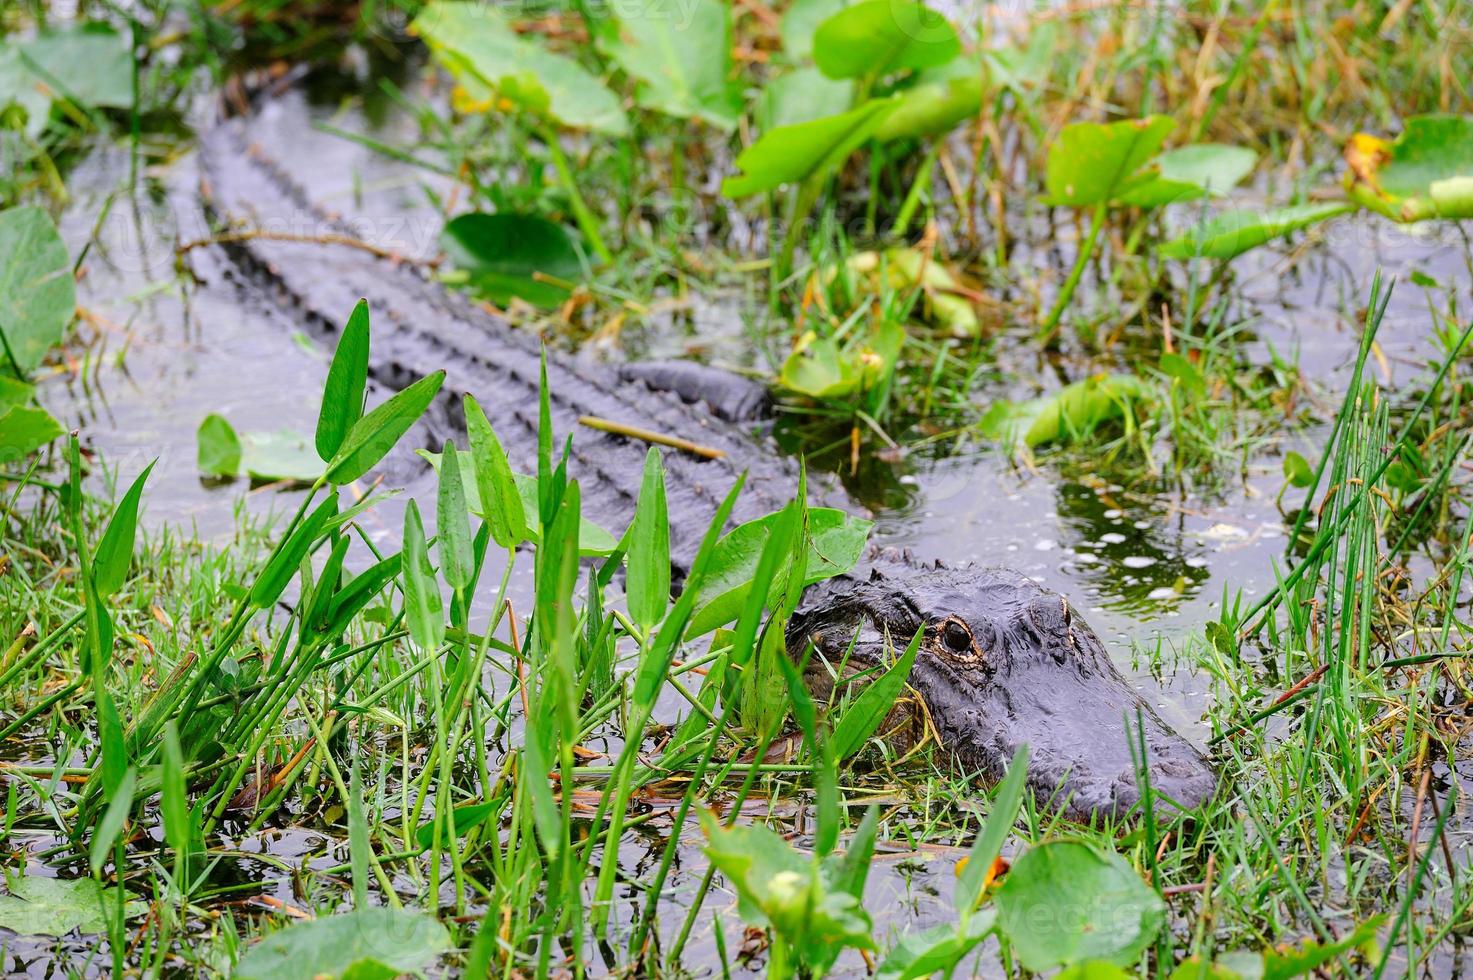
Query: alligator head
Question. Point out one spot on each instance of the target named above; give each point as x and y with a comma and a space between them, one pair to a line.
1003, 662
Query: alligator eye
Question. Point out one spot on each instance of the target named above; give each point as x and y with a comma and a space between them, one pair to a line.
956, 638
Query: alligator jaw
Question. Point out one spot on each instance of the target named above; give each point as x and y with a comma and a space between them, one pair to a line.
1005, 663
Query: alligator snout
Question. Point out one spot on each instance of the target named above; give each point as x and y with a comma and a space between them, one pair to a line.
1004, 663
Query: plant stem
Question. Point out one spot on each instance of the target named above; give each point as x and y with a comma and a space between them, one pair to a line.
1096, 223
918, 189
582, 214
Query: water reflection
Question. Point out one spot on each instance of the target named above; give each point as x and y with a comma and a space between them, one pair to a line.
1133, 550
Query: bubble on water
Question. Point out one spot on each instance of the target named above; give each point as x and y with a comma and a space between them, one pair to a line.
1137, 561
1112, 537
1045, 544
1162, 594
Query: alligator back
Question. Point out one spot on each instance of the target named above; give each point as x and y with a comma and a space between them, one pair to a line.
419, 327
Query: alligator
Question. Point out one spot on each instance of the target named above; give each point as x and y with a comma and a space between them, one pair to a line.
1002, 662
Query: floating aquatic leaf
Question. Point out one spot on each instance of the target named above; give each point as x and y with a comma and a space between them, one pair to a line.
37, 292
490, 60
368, 944
681, 51
1308, 956
281, 455
801, 20
89, 63
908, 268
1234, 232
23, 430
1090, 163
1189, 173
936, 951
1078, 409
1067, 902
19, 90
513, 255
1297, 470
218, 447
877, 37
265, 456
1426, 172
823, 369
37, 906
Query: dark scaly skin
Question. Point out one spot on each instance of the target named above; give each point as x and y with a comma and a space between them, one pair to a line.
1003, 660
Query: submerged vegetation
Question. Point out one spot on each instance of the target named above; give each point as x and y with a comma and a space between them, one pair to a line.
457, 727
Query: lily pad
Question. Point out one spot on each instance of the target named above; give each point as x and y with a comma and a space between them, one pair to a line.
1069, 414
502, 255
1091, 163
491, 61
801, 20
1234, 232
369, 944
37, 293
1426, 172
935, 951
89, 63
1077, 410
221, 451
681, 51
878, 37
804, 151
20, 89
1190, 173
23, 430
37, 906
908, 268
821, 368
1066, 902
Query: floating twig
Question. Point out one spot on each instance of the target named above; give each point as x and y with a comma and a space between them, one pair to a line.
647, 435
